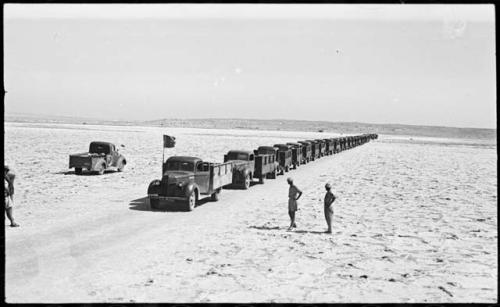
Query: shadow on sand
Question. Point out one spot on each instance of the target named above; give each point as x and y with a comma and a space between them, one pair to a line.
265, 227
84, 173
142, 204
234, 187
285, 229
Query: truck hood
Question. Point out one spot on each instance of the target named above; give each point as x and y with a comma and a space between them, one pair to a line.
177, 176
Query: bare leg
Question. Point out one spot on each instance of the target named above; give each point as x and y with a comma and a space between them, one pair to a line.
292, 219
11, 217
329, 219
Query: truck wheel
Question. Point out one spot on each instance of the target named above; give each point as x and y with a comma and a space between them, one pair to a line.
121, 166
78, 170
154, 203
215, 195
191, 201
246, 183
100, 170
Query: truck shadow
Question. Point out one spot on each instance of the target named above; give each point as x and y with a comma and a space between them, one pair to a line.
234, 187
142, 204
83, 173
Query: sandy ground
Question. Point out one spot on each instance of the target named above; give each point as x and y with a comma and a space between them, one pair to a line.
414, 222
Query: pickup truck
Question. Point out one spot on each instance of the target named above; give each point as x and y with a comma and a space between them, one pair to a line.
189, 179
270, 154
306, 151
284, 157
248, 165
101, 156
297, 158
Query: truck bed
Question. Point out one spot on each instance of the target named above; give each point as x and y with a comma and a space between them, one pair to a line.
220, 175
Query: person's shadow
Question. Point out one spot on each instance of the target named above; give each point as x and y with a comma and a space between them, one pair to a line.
142, 204
265, 227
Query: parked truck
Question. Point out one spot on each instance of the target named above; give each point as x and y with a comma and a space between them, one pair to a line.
306, 151
248, 165
270, 154
284, 157
297, 157
189, 179
101, 156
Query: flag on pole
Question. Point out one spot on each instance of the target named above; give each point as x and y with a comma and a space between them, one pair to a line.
168, 141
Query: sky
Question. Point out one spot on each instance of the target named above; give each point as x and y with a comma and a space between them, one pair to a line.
405, 64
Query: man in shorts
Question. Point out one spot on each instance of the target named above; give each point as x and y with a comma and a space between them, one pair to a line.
293, 195
9, 194
329, 199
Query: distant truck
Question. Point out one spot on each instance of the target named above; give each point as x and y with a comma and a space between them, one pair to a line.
189, 179
315, 149
329, 146
306, 151
248, 165
297, 157
284, 157
101, 156
269, 153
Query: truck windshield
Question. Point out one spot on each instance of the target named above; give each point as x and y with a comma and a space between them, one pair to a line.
180, 166
237, 156
99, 148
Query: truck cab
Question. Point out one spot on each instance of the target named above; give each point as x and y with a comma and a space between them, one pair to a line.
244, 167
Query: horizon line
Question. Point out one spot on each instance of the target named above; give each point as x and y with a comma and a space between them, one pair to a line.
236, 118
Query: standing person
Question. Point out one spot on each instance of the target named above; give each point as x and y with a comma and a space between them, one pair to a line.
9, 194
329, 199
293, 195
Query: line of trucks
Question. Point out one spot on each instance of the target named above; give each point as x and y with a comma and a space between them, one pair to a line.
189, 179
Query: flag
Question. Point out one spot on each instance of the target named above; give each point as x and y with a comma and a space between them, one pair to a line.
168, 141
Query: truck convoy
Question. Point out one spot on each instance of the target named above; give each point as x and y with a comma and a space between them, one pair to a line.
189, 179
101, 156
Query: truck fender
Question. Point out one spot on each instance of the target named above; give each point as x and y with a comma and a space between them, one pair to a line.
190, 188
100, 161
154, 187
247, 172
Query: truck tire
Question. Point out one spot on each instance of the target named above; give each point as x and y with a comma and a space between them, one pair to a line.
191, 201
215, 195
78, 170
154, 203
121, 166
100, 169
246, 183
